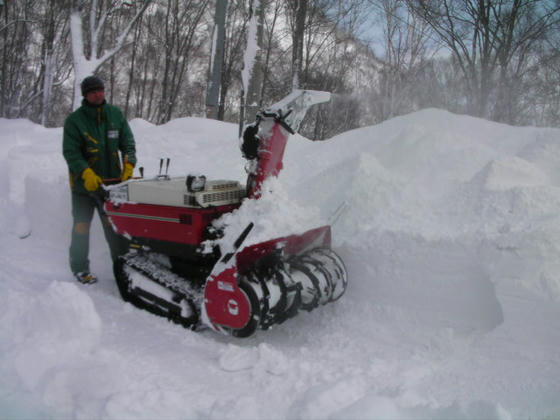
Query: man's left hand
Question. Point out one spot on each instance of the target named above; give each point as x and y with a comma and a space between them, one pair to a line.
127, 172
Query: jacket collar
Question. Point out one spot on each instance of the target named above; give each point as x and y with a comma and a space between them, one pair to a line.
94, 111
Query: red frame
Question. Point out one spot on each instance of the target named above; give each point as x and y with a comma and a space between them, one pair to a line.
166, 223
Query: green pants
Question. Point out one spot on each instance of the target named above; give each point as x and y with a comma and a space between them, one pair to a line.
83, 207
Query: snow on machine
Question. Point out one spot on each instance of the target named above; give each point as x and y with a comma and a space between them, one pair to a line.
169, 270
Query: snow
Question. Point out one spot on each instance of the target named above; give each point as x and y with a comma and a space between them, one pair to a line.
274, 214
449, 227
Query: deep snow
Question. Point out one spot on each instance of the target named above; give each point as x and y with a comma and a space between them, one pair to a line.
450, 231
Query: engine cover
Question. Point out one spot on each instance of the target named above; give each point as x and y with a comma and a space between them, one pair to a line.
174, 192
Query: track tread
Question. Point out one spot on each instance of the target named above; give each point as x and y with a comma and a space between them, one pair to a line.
147, 265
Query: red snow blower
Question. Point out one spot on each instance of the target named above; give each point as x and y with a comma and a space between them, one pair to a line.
170, 272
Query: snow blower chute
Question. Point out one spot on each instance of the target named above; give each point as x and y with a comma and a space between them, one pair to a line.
234, 291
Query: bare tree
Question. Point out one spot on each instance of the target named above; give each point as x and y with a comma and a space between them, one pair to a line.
253, 65
299, 13
271, 15
403, 55
525, 26
132, 67
180, 40
33, 49
145, 67
486, 37
88, 56
16, 33
55, 66
238, 16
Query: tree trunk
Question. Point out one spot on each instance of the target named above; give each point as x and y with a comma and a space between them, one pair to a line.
300, 14
253, 98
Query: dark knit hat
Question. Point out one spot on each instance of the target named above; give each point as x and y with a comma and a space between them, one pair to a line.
91, 83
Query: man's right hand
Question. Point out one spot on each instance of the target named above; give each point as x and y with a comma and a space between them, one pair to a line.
91, 180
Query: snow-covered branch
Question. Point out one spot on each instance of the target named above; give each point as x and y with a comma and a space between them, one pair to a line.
84, 66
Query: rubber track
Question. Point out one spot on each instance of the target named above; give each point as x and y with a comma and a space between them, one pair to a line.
162, 275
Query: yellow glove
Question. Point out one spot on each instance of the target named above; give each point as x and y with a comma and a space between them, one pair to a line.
91, 180
127, 172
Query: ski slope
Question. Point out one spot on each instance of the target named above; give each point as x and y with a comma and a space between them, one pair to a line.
450, 230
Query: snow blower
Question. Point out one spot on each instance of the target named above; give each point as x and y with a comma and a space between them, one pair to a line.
235, 291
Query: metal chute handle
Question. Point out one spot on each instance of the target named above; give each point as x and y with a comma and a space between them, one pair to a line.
292, 109
280, 118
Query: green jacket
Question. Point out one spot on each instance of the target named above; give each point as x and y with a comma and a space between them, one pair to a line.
92, 137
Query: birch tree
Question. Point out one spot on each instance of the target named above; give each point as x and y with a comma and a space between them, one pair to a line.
89, 54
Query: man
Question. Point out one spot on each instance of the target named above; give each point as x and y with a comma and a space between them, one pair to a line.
93, 136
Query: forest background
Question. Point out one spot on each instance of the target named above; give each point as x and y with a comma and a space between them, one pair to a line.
498, 60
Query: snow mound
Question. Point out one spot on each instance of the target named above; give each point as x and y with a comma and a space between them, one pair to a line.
510, 172
57, 325
263, 357
139, 124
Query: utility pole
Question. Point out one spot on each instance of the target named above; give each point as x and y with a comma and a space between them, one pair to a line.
217, 60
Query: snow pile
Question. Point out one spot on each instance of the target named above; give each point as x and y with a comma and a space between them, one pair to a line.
449, 227
274, 215
62, 324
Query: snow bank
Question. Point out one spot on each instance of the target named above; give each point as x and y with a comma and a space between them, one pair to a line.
447, 180
56, 325
50, 336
